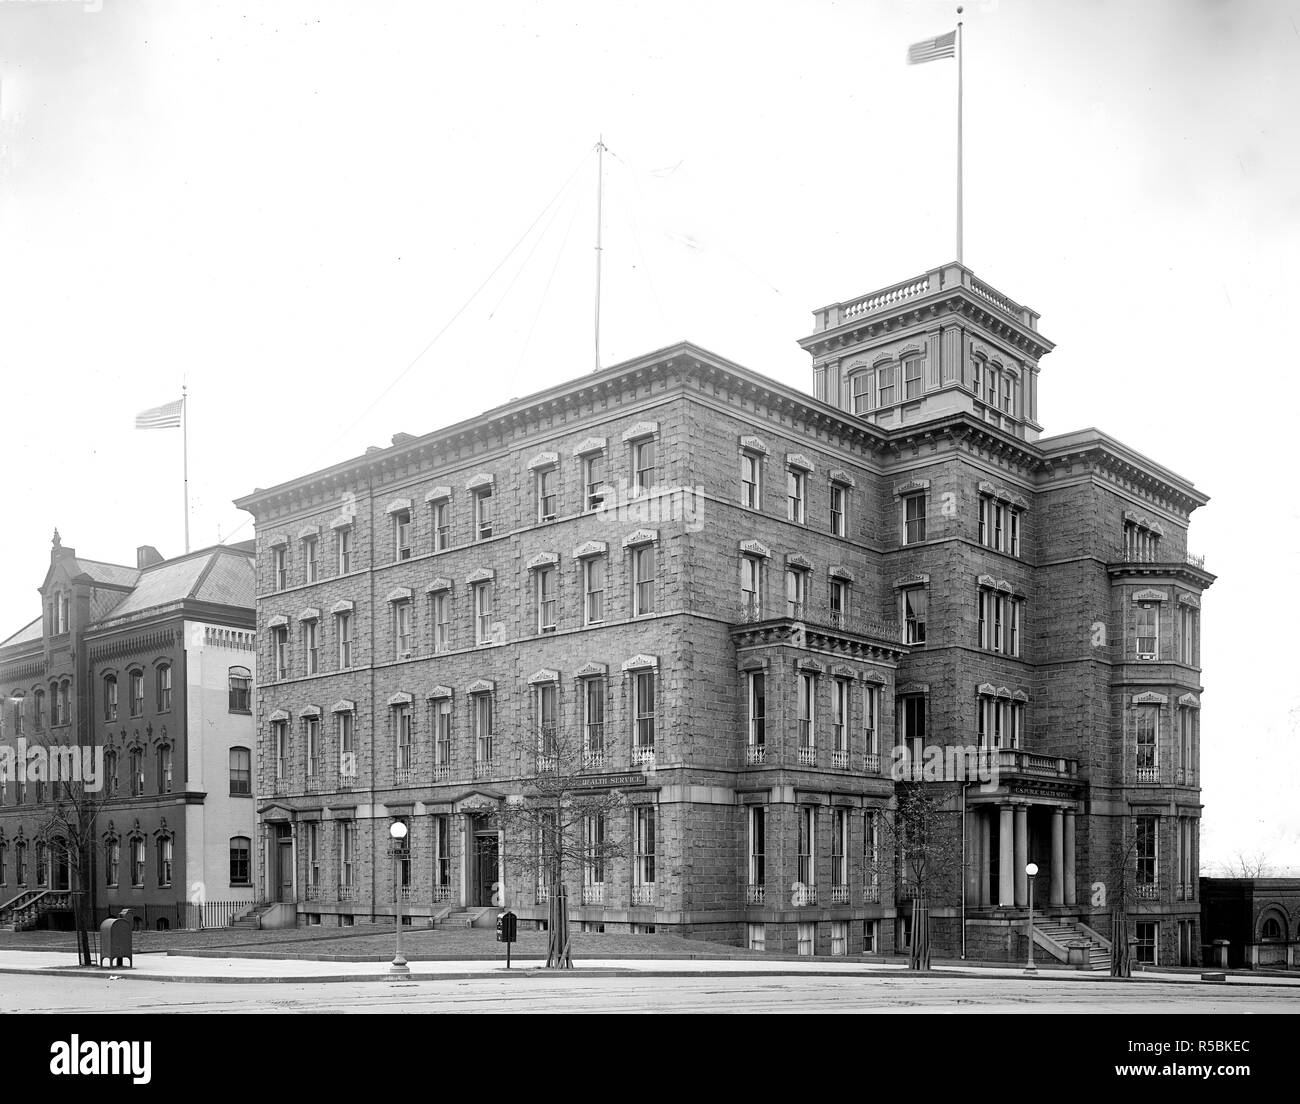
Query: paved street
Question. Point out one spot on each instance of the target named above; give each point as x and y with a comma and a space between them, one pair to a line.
530, 991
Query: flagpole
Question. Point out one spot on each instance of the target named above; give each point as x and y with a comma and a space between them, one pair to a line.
600, 195
185, 461
959, 172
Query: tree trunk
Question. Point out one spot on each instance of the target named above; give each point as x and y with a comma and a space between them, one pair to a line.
1121, 965
557, 943
919, 951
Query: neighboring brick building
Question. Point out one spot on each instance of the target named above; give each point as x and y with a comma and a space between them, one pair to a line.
749, 595
1256, 920
154, 665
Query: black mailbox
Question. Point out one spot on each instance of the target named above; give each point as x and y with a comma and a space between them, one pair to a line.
507, 926
115, 942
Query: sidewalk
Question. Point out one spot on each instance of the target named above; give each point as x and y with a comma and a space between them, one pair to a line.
156, 966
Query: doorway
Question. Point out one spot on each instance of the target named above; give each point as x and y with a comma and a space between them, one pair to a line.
487, 866
282, 846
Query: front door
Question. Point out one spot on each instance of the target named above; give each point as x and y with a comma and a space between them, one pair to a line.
62, 868
486, 867
283, 862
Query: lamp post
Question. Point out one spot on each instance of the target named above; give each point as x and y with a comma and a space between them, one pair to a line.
1031, 869
398, 831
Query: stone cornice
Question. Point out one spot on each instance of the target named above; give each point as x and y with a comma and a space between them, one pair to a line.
687, 370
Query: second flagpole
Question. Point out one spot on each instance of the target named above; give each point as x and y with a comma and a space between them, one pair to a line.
959, 167
185, 460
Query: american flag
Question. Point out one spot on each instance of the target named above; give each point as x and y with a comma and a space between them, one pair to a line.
932, 49
160, 417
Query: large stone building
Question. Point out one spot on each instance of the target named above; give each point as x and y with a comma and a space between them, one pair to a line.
744, 598
151, 666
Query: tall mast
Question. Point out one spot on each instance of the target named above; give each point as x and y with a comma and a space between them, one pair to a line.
600, 190
185, 459
959, 172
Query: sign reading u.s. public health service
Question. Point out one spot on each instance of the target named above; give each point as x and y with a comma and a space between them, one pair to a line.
609, 781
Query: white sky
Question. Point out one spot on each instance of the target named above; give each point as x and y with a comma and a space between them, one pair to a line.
283, 203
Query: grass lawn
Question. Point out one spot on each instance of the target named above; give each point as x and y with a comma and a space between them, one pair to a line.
376, 942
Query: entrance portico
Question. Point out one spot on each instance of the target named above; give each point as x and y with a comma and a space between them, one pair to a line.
1028, 817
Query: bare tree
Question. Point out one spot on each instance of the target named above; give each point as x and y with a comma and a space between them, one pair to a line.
564, 820
74, 798
922, 829
1119, 864
1243, 865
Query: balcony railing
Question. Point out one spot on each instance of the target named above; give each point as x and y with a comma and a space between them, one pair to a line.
441, 893
482, 768
755, 894
312, 892
643, 755
593, 894
643, 894
544, 894
817, 614
347, 893
1148, 776
593, 757
755, 755
840, 759
1016, 761
871, 895
808, 756
871, 763
405, 892
839, 894
804, 894
441, 772
1149, 891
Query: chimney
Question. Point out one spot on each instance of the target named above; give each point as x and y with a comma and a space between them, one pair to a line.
146, 556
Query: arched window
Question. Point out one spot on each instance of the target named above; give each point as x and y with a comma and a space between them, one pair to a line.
164, 768
241, 690
42, 864
1272, 928
164, 860
165, 688
38, 710
110, 772
19, 703
137, 861
241, 770
112, 860
20, 863
135, 767
110, 697
4, 863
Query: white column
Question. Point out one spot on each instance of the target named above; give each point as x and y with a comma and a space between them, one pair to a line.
1070, 898
1006, 858
1022, 856
1056, 894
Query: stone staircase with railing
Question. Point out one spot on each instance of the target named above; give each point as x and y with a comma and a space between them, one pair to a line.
24, 912
1054, 935
468, 917
251, 918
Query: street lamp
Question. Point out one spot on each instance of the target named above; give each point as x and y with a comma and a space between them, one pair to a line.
398, 831
1031, 869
